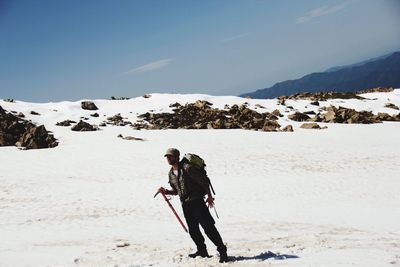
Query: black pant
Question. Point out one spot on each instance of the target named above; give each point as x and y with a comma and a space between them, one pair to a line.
196, 213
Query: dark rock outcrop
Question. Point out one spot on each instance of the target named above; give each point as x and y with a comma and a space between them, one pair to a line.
200, 115
84, 127
117, 120
19, 132
390, 105
381, 116
175, 105
119, 98
298, 116
277, 113
88, 105
347, 115
312, 125
36, 137
376, 90
128, 137
315, 103
287, 128
320, 96
65, 123
20, 115
259, 106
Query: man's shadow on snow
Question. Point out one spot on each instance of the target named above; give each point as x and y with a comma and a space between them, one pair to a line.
263, 256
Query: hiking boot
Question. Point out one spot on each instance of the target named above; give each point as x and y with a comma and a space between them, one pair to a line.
200, 253
223, 256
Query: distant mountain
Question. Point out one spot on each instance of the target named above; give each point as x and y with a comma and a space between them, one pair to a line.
358, 64
383, 71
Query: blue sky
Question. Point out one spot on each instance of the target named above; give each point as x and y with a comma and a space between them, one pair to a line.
53, 50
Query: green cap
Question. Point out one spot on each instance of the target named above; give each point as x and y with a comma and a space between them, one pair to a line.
172, 151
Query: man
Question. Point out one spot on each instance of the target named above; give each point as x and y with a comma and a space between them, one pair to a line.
190, 184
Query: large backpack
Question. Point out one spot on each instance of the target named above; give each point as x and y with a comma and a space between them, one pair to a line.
198, 162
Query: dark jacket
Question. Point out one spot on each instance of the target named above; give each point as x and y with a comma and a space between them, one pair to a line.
191, 183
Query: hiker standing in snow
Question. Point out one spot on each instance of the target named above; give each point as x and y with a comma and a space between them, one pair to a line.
189, 183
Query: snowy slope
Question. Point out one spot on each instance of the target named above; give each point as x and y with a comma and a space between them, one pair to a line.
318, 197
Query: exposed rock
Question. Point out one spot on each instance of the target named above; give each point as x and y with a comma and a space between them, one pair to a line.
390, 105
202, 104
11, 128
386, 117
200, 115
282, 100
175, 105
36, 137
9, 100
270, 116
130, 138
103, 124
117, 120
321, 96
298, 116
123, 244
95, 115
34, 113
315, 103
20, 115
311, 112
259, 106
270, 126
377, 90
312, 125
277, 113
65, 123
119, 98
22, 133
346, 115
88, 105
146, 96
84, 127
316, 118
287, 128
6, 139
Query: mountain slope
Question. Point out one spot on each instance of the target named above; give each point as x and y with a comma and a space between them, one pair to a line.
333, 69
382, 72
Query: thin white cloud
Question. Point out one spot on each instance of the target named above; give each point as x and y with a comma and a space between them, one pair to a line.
151, 66
321, 11
232, 38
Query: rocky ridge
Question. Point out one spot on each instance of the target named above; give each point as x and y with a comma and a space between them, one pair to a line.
249, 115
200, 115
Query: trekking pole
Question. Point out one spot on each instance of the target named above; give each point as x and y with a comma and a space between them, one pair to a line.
216, 213
173, 210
